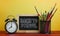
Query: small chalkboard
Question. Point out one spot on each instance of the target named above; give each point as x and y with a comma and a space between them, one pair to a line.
28, 23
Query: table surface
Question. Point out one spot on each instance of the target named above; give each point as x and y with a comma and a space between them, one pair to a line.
53, 33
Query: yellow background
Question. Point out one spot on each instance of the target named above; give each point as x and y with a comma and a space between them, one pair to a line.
18, 7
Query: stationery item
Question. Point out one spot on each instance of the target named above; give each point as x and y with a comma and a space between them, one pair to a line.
45, 20
45, 15
52, 9
49, 14
52, 15
41, 16
37, 11
42, 26
47, 27
47, 24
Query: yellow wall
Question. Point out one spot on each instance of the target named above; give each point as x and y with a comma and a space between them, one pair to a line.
18, 7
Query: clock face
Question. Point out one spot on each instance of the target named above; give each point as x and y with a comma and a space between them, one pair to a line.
11, 27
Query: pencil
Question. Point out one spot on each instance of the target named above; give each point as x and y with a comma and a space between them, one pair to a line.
49, 14
36, 10
52, 15
53, 9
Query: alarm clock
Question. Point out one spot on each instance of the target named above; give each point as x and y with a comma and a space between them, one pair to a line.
11, 25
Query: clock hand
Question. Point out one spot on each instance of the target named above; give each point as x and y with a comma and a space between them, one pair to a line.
10, 26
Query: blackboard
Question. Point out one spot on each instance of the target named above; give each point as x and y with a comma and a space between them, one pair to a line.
28, 23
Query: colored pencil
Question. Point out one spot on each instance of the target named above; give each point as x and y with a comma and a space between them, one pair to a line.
37, 11
49, 14
52, 15
52, 9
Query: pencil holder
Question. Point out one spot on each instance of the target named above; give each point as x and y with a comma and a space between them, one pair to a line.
45, 27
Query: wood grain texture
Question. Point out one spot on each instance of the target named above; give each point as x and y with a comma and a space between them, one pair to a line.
53, 33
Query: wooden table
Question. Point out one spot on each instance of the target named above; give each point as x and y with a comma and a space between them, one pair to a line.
53, 33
